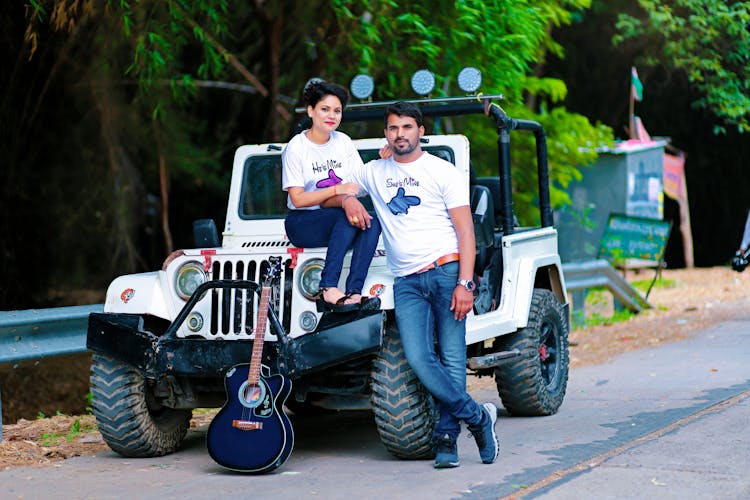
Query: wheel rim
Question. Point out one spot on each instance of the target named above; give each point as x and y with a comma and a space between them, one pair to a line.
549, 349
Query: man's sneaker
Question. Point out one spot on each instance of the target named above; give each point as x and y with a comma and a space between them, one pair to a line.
446, 452
485, 436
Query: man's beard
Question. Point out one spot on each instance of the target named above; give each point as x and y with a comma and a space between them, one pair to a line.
404, 149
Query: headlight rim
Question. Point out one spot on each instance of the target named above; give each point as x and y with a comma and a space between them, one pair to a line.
187, 266
305, 268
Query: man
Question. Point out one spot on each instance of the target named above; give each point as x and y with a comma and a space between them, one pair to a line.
429, 238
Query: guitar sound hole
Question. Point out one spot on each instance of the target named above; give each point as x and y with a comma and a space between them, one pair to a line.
251, 395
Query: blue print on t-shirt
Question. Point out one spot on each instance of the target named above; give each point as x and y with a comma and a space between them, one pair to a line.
400, 203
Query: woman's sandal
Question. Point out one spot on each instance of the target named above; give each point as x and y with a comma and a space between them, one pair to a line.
339, 306
366, 303
369, 303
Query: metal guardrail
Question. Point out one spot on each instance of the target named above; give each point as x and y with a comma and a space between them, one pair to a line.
580, 276
40, 333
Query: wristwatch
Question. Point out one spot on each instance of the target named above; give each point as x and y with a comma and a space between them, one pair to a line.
468, 284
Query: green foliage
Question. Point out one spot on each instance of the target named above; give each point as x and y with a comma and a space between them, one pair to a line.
507, 41
618, 316
709, 40
660, 283
145, 120
572, 142
76, 429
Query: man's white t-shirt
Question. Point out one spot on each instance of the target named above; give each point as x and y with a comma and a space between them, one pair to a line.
412, 201
317, 166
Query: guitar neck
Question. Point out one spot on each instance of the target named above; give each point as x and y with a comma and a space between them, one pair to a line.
260, 335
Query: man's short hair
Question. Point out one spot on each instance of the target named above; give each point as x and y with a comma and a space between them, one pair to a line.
402, 108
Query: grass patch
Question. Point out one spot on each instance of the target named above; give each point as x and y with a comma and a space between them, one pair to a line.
642, 285
597, 319
76, 429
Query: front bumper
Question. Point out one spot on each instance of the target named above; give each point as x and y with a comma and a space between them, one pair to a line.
338, 339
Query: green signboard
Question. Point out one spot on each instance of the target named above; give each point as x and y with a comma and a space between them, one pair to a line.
637, 238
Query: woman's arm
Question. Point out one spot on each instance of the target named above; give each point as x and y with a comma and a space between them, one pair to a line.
301, 198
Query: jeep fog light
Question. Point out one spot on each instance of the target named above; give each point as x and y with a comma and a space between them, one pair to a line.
195, 322
308, 280
189, 276
308, 321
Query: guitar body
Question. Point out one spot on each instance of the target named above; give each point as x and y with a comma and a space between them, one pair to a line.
251, 433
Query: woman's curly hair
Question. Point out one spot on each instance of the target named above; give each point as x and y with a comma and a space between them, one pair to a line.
315, 90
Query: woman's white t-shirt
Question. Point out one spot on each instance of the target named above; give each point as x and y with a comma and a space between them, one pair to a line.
317, 166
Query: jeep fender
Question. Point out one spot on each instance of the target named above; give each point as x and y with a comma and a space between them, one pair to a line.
379, 282
137, 294
542, 272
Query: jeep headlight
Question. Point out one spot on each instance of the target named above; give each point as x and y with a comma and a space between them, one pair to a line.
189, 276
308, 280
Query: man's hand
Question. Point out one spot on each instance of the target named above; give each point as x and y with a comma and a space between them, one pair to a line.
347, 188
356, 213
462, 302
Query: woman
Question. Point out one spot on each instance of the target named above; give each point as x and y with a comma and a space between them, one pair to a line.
323, 209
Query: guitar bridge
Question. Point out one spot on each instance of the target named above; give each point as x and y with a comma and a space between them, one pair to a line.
247, 425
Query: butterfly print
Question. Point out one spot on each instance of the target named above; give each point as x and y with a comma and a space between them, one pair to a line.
331, 180
400, 203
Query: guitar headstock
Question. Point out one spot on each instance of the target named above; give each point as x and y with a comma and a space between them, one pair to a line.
273, 271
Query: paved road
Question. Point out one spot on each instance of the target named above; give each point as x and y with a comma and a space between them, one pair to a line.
668, 422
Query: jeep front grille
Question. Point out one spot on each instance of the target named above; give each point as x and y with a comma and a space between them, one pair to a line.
234, 310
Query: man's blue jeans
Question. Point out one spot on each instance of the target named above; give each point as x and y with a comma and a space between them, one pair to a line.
423, 315
330, 227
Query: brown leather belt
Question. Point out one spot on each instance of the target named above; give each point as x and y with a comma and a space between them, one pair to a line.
451, 257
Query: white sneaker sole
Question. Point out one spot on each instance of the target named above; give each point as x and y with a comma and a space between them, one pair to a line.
492, 410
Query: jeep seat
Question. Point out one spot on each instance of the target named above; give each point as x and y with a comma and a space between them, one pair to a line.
493, 184
483, 215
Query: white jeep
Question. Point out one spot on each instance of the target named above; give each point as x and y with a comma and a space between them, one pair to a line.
168, 338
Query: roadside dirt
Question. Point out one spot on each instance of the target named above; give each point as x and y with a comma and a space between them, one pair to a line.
684, 301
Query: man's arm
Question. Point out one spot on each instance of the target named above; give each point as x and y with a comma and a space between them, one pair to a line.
463, 300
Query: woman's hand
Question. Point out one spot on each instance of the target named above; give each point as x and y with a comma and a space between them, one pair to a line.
385, 152
356, 213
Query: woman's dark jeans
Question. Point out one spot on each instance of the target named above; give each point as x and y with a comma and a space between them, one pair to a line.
330, 227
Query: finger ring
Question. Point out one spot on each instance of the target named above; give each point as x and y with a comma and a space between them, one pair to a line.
355, 219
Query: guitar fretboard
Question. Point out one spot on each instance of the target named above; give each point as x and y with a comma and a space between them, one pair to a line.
253, 374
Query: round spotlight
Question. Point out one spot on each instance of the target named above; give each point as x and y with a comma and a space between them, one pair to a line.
362, 86
423, 82
195, 321
308, 321
469, 79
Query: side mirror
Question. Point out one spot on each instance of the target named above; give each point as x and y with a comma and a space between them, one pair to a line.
205, 234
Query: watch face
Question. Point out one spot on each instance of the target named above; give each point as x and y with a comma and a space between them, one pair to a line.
468, 284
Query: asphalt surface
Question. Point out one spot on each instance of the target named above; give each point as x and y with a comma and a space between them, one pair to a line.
667, 422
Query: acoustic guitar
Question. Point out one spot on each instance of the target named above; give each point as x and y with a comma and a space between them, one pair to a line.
251, 433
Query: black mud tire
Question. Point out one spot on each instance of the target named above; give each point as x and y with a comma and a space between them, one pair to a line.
131, 422
534, 384
405, 413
